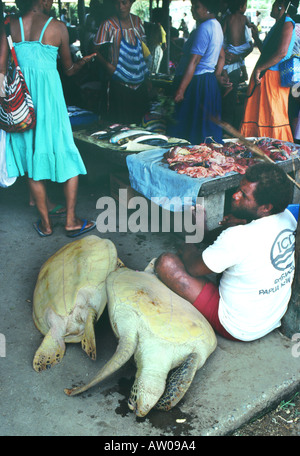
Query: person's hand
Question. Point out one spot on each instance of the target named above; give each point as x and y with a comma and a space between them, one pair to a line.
88, 58
257, 75
231, 58
110, 68
230, 220
223, 80
179, 96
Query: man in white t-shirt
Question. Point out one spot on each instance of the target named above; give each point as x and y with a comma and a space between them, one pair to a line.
255, 254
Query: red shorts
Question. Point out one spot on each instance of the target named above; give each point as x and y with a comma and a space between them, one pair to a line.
207, 303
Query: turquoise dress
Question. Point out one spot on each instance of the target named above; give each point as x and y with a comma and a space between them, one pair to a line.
48, 151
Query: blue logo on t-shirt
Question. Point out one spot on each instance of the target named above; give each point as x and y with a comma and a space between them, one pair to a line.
282, 252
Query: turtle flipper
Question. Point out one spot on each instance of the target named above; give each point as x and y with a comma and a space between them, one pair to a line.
123, 353
178, 383
150, 267
88, 341
49, 353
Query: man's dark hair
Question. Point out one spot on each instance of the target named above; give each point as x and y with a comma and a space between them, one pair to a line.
273, 186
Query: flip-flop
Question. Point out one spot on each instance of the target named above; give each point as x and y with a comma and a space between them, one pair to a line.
82, 230
37, 228
57, 212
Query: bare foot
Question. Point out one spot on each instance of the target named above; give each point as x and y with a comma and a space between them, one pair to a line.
79, 228
56, 209
43, 230
78, 224
61, 210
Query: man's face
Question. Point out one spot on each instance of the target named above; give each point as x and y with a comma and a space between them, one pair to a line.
243, 203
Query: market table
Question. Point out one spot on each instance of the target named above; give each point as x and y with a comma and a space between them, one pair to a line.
214, 190
103, 149
151, 176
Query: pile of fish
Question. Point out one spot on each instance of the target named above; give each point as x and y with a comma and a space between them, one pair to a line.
121, 135
212, 160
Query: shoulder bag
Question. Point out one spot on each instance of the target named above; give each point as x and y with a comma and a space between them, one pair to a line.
290, 69
16, 107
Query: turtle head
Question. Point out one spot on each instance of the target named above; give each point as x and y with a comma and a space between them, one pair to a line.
146, 391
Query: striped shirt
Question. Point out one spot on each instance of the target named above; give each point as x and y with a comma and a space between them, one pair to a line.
110, 32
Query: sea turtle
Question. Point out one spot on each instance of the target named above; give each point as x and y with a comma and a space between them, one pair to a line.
162, 330
70, 294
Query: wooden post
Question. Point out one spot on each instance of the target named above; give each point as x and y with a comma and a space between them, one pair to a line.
290, 323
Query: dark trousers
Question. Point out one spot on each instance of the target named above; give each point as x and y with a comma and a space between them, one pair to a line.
127, 105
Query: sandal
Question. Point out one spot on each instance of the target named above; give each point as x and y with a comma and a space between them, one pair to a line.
82, 230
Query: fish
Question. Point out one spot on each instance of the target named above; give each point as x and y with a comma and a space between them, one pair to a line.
126, 134
110, 131
152, 139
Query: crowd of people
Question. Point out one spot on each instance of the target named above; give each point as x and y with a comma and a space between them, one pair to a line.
209, 64
246, 305
207, 75
224, 44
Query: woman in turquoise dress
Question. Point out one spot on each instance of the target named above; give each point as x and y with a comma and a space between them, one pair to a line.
48, 151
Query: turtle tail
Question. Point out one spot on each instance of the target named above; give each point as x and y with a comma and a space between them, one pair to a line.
123, 353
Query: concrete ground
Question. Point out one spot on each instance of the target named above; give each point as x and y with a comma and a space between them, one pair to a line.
238, 381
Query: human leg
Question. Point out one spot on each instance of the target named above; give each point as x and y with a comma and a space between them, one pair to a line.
172, 272
207, 302
55, 210
38, 191
73, 223
200, 292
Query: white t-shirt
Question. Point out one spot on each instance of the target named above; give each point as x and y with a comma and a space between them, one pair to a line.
258, 264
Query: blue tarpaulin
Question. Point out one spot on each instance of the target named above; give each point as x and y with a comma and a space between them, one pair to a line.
153, 178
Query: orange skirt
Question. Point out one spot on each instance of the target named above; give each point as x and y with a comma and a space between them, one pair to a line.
266, 111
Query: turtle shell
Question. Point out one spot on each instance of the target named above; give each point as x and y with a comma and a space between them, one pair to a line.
82, 263
167, 315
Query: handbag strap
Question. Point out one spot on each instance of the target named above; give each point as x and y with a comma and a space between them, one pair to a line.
9, 40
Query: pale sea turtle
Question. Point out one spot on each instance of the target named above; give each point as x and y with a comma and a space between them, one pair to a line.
162, 330
70, 295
